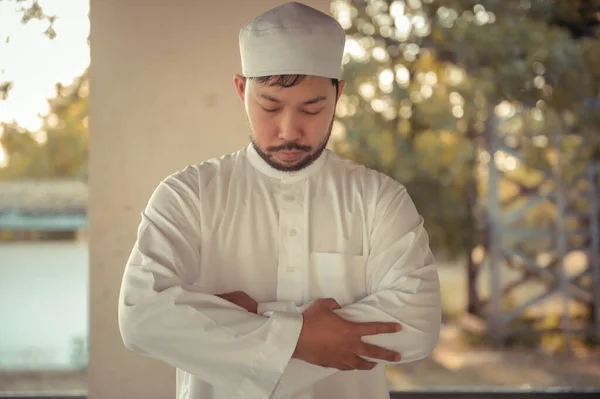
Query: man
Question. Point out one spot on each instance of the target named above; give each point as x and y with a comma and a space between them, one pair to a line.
282, 270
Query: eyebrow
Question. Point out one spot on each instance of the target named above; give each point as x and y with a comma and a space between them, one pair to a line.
311, 101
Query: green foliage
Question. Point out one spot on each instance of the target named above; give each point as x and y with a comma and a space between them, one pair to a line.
26, 158
67, 129
430, 82
60, 149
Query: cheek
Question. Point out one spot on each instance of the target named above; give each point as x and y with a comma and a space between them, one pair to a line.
261, 123
317, 127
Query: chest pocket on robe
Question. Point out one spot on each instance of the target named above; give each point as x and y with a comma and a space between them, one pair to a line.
338, 276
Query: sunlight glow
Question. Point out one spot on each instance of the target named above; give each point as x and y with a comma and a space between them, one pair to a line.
34, 63
505, 110
458, 111
3, 158
367, 90
456, 99
380, 54
454, 75
505, 162
426, 91
402, 75
403, 27
397, 9
344, 17
355, 50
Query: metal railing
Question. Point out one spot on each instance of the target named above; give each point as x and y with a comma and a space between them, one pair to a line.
508, 242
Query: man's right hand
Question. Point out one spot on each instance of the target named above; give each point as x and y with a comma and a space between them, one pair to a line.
328, 340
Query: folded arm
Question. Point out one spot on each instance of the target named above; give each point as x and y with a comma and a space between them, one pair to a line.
164, 316
403, 287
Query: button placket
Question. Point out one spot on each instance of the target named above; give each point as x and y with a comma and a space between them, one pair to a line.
291, 244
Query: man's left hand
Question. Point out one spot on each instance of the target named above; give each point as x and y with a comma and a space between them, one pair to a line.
241, 299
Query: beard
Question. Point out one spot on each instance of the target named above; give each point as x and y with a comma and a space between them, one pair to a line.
311, 154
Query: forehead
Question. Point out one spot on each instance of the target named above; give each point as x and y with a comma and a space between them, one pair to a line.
306, 88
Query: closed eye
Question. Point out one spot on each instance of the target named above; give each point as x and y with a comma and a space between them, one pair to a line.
303, 111
312, 113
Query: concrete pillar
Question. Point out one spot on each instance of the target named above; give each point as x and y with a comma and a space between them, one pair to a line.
162, 97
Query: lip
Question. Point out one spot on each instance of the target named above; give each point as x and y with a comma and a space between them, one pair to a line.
289, 155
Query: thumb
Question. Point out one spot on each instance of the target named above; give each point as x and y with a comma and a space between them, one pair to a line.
330, 304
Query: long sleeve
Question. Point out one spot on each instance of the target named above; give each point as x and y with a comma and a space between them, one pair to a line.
403, 287
163, 315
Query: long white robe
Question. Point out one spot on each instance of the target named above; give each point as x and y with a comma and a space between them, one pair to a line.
334, 229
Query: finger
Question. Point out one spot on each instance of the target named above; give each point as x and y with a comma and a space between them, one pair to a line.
377, 352
374, 328
345, 368
230, 294
362, 364
329, 303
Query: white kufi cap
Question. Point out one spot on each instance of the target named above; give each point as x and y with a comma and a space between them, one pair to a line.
292, 39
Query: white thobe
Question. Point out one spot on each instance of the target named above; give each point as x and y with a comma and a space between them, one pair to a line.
335, 229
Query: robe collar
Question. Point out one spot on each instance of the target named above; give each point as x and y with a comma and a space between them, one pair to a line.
258, 163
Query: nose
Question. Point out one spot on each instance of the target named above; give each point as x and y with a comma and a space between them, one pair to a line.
289, 127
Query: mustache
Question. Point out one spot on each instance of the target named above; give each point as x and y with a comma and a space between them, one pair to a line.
289, 147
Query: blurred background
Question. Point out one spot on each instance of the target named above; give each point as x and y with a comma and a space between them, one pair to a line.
43, 194
487, 110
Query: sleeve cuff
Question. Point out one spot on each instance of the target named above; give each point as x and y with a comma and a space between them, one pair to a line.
273, 359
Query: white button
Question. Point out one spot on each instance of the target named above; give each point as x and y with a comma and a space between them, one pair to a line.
289, 198
289, 269
293, 232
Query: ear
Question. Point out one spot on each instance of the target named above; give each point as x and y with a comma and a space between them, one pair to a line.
239, 83
341, 85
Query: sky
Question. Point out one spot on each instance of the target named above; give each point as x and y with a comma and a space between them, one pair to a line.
34, 63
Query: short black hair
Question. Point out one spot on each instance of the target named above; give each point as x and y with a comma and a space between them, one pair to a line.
288, 81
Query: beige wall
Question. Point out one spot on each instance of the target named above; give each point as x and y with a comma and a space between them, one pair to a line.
161, 97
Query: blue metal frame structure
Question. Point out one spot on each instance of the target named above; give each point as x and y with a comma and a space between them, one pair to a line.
505, 242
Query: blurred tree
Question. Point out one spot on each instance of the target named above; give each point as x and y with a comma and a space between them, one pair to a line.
26, 157
29, 10
426, 79
66, 126
61, 147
